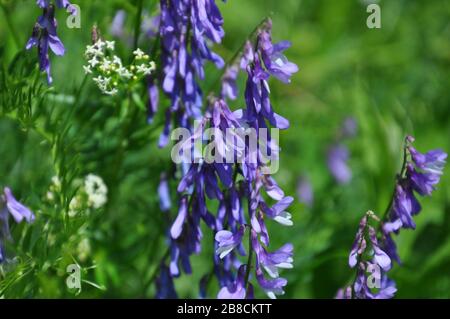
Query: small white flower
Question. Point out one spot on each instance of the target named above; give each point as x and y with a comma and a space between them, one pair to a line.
56, 182
87, 69
124, 72
110, 45
95, 188
93, 62
50, 196
84, 249
139, 54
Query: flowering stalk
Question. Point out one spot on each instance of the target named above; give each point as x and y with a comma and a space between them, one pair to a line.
44, 34
185, 28
419, 174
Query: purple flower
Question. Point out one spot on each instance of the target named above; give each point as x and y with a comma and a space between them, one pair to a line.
432, 162
164, 285
349, 127
185, 28
405, 205
305, 191
164, 195
380, 257
229, 86
17, 210
423, 183
344, 293
359, 245
387, 289
44, 37
281, 258
272, 54
117, 25
423, 172
227, 241
337, 158
236, 290
278, 211
272, 287
177, 226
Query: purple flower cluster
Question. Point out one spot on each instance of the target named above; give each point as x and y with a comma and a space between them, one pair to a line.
10, 206
264, 61
185, 29
420, 174
44, 34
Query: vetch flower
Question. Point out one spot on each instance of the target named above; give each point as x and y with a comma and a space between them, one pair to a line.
275, 61
235, 290
17, 210
44, 34
9, 205
272, 287
227, 241
185, 29
419, 174
164, 285
281, 258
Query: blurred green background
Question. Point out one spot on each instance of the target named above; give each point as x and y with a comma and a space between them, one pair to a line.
394, 81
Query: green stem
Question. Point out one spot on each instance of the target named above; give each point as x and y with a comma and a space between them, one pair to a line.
137, 25
11, 27
399, 176
249, 260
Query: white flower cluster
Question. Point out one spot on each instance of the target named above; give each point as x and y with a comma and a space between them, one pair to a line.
92, 194
96, 191
109, 72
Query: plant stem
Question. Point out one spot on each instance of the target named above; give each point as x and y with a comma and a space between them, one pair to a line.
137, 25
249, 260
399, 176
11, 27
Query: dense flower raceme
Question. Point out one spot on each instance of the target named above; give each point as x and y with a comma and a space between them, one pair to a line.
44, 34
10, 206
243, 185
420, 174
185, 28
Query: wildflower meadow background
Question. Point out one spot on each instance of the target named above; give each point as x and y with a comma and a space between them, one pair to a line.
88, 185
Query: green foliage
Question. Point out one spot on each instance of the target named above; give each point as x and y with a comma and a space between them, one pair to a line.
394, 81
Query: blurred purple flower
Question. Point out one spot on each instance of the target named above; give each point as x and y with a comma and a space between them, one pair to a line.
349, 127
305, 192
164, 195
117, 26
229, 86
10, 206
337, 158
